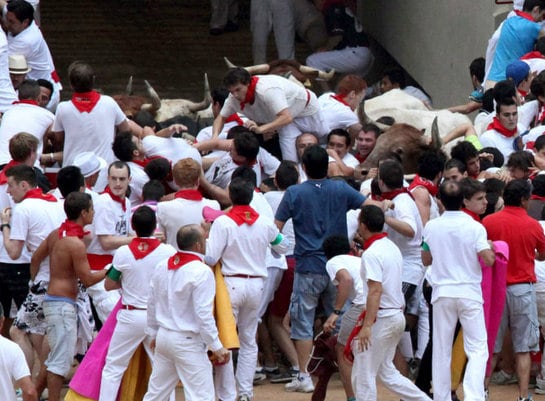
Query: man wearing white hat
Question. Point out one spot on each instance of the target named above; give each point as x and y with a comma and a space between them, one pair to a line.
18, 68
7, 93
90, 165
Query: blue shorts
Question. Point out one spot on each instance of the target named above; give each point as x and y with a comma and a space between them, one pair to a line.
308, 290
62, 334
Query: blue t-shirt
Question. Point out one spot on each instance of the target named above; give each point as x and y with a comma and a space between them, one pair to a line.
517, 37
318, 210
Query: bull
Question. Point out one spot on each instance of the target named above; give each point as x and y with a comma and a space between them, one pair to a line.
290, 69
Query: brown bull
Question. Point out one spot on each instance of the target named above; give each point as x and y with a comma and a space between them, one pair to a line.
403, 141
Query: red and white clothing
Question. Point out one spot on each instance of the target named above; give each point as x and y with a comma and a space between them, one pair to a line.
382, 262
88, 131
494, 139
24, 117
7, 93
180, 319
274, 94
185, 209
7, 201
171, 148
31, 44
136, 264
535, 61
349, 160
454, 241
138, 179
13, 367
336, 112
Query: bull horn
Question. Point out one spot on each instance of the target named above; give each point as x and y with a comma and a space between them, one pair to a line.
365, 119
128, 89
207, 97
326, 76
228, 63
258, 69
155, 99
436, 142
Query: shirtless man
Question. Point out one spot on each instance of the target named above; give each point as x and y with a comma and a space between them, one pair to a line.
68, 263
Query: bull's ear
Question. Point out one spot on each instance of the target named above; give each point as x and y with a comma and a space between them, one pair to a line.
398, 150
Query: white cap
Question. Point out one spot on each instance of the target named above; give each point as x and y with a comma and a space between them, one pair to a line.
89, 163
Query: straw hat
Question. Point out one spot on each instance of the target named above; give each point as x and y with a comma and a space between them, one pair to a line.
18, 65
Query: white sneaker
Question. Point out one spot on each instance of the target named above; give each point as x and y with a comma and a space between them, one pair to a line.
540, 386
301, 385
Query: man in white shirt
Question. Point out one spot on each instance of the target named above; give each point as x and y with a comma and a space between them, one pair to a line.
181, 323
502, 131
338, 146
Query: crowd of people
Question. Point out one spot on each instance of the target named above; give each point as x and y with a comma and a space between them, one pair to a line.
215, 256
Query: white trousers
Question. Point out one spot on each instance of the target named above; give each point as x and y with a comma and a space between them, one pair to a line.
276, 15
377, 362
540, 300
446, 311
127, 336
245, 295
180, 355
350, 60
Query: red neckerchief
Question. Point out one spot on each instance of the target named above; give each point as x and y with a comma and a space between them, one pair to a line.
360, 158
143, 163
181, 258
497, 126
522, 14
189, 194
234, 117
473, 215
26, 101
531, 55
375, 237
71, 229
36, 193
537, 197
115, 198
85, 101
392, 194
55, 77
522, 93
243, 214
250, 94
340, 98
3, 177
348, 354
142, 247
424, 182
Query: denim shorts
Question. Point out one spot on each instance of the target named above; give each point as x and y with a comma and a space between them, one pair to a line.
62, 334
308, 291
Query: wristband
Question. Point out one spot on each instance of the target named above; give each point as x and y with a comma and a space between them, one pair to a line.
337, 311
4, 225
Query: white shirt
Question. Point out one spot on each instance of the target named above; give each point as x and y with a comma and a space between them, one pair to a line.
352, 264
260, 205
13, 367
454, 240
31, 222
176, 213
138, 179
173, 149
349, 160
495, 139
88, 132
335, 113
182, 300
136, 273
243, 248
274, 198
23, 117
382, 262
7, 93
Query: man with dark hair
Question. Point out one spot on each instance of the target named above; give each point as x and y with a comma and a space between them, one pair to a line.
26, 116
219, 95
132, 268
69, 179
278, 103
383, 323
338, 146
366, 140
502, 131
454, 170
240, 238
537, 199
520, 164
476, 73
394, 78
526, 241
68, 266
25, 38
181, 324
318, 209
474, 198
46, 92
467, 153
456, 279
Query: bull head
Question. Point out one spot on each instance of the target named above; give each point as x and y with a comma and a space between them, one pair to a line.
303, 69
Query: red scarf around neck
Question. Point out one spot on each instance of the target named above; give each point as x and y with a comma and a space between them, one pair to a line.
70, 229
473, 215
390, 195
115, 198
27, 101
142, 247
189, 194
531, 55
37, 193
180, 259
85, 101
522, 14
234, 117
497, 126
250, 94
369, 241
424, 182
340, 98
537, 197
243, 214
3, 177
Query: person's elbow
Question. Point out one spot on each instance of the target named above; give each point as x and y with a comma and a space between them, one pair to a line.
14, 252
110, 285
540, 256
426, 258
488, 257
106, 242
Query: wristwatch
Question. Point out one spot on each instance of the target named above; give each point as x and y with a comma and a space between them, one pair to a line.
337, 311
